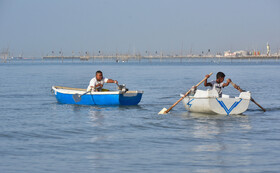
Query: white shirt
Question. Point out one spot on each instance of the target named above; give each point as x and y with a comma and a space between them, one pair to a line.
218, 87
94, 82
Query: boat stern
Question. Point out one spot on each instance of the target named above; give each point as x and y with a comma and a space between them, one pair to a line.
130, 97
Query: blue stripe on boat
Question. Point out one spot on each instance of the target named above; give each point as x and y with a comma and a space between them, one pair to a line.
228, 111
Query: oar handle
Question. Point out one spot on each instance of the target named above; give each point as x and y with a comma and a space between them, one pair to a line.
187, 93
241, 90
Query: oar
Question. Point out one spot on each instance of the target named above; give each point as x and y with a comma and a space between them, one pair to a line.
241, 90
78, 97
117, 85
164, 110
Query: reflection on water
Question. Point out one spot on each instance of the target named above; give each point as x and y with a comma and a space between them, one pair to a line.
210, 128
96, 118
217, 136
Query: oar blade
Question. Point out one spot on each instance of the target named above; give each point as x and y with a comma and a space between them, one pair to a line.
77, 97
163, 111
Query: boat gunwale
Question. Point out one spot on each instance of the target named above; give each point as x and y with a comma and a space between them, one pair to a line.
69, 90
191, 97
217, 97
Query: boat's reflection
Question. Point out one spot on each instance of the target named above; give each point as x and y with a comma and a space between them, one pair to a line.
96, 118
221, 138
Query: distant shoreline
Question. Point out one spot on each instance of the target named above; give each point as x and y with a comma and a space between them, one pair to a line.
125, 58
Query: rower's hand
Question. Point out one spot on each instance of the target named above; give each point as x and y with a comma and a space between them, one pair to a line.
116, 82
228, 80
90, 89
207, 76
99, 85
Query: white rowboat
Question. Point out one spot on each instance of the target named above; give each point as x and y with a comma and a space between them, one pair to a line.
209, 102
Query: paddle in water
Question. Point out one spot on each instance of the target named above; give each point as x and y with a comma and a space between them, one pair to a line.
164, 110
241, 90
78, 97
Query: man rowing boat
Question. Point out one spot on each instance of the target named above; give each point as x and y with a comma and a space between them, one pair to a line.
96, 83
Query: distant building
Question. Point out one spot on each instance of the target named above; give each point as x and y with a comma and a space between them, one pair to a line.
239, 53
229, 54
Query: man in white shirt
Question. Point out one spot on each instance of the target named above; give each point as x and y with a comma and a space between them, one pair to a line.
98, 81
218, 83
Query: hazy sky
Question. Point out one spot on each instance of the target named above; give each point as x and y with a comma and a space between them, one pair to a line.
37, 27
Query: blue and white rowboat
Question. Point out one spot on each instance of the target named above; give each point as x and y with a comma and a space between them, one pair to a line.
209, 102
65, 95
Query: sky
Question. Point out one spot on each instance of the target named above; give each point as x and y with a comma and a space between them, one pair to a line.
38, 27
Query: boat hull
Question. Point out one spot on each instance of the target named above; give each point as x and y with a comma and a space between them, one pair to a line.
64, 95
209, 102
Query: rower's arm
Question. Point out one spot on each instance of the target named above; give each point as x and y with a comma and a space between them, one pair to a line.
98, 85
205, 82
228, 82
112, 81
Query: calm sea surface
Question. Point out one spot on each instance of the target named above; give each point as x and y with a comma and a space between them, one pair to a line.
37, 134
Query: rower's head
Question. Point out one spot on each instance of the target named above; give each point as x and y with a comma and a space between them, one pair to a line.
99, 75
220, 77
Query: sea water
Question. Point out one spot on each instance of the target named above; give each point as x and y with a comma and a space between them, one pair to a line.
38, 134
